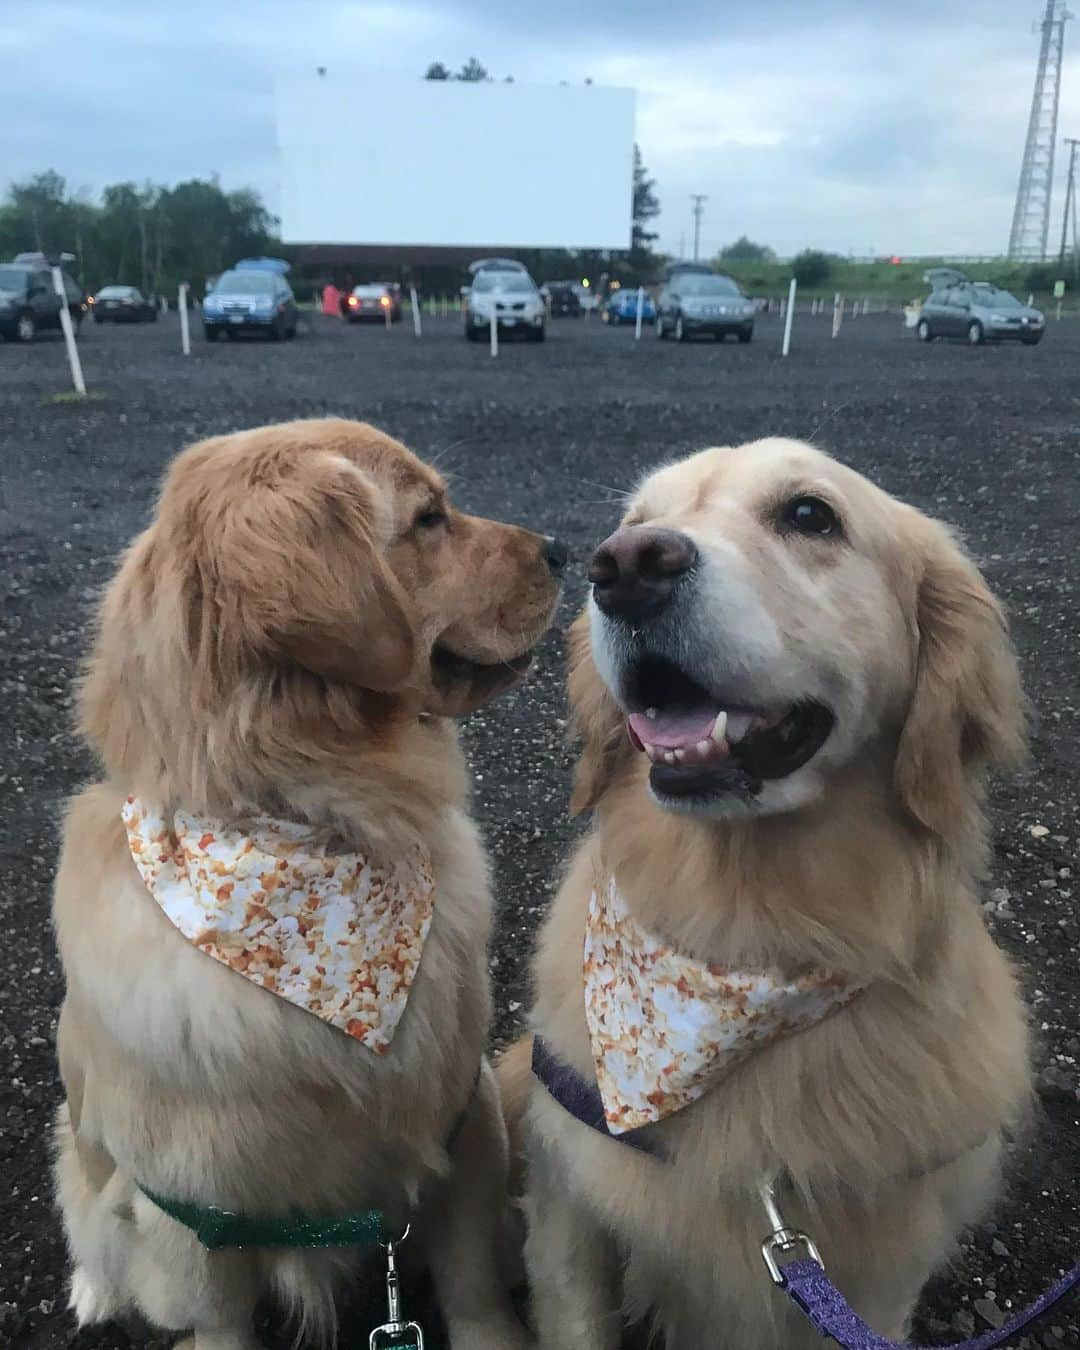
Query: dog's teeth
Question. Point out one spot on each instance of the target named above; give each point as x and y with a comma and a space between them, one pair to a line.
669, 756
719, 730
680, 755
703, 747
653, 752
652, 714
738, 726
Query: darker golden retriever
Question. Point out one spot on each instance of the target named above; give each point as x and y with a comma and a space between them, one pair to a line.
276, 662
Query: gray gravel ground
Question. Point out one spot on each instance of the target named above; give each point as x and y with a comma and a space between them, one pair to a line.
985, 438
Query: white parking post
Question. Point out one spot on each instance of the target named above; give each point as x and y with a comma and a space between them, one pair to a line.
1059, 309
185, 332
494, 332
417, 323
1031, 300
69, 334
837, 314
163, 305
640, 313
388, 311
790, 317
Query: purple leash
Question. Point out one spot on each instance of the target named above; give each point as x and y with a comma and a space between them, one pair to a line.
814, 1294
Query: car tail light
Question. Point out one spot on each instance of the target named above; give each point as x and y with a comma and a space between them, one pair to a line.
353, 302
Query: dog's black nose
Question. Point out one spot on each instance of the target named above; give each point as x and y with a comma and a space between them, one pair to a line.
557, 555
634, 571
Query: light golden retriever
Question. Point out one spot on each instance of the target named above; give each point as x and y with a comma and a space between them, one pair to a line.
868, 682
289, 636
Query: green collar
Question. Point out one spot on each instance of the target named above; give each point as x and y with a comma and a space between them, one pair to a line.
216, 1228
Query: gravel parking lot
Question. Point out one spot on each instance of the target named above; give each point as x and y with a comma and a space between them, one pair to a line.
985, 438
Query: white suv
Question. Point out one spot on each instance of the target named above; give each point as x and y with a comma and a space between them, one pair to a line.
512, 297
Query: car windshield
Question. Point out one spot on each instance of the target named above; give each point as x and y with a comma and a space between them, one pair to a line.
116, 292
703, 285
244, 283
13, 278
517, 282
998, 299
369, 290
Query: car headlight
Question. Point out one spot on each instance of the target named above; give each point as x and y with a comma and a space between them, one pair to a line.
998, 319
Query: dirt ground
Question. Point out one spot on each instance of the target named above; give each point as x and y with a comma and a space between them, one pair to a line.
985, 438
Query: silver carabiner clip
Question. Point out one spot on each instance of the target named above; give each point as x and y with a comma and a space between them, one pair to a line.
395, 1333
783, 1240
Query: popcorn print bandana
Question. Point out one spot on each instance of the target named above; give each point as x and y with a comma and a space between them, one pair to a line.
336, 934
665, 1027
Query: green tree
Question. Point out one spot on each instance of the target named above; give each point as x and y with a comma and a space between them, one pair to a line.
646, 206
745, 250
472, 72
811, 267
436, 71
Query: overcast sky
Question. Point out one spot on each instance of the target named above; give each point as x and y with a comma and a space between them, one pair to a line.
867, 126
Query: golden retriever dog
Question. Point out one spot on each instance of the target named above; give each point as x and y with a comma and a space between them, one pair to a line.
287, 641
788, 686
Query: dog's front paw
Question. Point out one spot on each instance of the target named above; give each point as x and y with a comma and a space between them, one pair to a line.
91, 1301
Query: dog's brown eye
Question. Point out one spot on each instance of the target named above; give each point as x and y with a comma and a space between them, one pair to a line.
430, 519
810, 515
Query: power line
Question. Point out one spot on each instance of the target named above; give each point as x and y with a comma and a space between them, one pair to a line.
699, 199
1069, 213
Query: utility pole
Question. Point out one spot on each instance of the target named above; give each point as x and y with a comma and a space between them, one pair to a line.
699, 199
1070, 210
1031, 216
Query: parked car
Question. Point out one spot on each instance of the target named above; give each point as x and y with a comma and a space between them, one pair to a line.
122, 304
698, 301
372, 302
621, 307
250, 300
513, 298
29, 303
563, 300
497, 265
977, 311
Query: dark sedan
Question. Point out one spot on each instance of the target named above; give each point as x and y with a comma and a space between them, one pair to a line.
29, 303
563, 300
700, 302
123, 304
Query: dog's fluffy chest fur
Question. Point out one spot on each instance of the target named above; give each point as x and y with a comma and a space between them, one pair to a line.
202, 1055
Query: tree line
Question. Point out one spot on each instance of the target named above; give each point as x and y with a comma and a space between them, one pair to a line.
151, 236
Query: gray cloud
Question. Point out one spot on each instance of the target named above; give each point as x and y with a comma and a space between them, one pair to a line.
835, 123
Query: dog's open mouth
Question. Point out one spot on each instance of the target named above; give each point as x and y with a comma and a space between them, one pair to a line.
702, 746
463, 684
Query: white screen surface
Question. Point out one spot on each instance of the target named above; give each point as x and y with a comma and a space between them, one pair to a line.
379, 159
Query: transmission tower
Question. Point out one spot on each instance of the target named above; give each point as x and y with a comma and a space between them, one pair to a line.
1031, 218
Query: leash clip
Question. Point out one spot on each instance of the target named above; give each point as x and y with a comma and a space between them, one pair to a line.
395, 1333
783, 1240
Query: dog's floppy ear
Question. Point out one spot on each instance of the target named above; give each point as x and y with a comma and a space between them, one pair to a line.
598, 721
967, 709
299, 573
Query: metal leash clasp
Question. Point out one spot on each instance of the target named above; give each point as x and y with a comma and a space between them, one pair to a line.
783, 1240
395, 1333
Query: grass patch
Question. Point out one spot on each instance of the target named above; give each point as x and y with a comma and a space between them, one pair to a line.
70, 396
903, 281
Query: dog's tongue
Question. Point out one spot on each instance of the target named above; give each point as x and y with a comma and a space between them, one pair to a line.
674, 730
